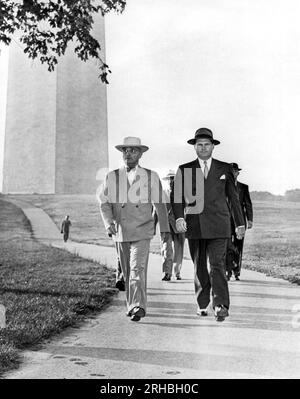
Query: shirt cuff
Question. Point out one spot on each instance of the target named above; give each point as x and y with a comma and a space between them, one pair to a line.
179, 219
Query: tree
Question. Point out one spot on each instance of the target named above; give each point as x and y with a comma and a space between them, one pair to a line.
47, 27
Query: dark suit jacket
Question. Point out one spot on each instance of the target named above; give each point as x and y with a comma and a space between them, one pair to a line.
220, 198
245, 202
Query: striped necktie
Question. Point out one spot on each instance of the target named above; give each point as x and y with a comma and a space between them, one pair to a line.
205, 172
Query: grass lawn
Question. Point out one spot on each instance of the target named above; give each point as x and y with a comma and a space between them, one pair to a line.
271, 247
44, 289
87, 225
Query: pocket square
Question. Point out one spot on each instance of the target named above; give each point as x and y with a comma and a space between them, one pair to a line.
223, 177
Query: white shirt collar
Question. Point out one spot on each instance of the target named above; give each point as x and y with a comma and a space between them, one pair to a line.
131, 174
133, 170
208, 163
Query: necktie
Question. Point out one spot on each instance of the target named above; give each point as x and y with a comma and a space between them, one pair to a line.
205, 172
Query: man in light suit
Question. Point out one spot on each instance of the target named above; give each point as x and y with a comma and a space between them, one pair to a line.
247, 210
126, 205
204, 193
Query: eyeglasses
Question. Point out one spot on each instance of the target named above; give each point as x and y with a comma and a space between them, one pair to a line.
131, 150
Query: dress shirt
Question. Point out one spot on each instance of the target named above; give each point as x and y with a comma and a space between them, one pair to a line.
131, 174
208, 163
201, 162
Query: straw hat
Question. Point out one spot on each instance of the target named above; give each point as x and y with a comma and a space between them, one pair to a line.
132, 142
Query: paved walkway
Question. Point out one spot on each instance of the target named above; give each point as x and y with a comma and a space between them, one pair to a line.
260, 339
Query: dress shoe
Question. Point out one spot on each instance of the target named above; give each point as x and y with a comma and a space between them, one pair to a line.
167, 277
221, 312
202, 312
120, 284
237, 278
137, 313
178, 277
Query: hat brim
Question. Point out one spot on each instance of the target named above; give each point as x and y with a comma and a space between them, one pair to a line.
143, 148
193, 141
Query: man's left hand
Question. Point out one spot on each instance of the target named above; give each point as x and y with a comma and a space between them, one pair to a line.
165, 236
240, 232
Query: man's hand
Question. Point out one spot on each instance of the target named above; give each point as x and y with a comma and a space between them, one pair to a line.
250, 224
181, 225
165, 236
240, 232
111, 230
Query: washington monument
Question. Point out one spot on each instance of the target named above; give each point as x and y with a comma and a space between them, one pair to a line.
56, 124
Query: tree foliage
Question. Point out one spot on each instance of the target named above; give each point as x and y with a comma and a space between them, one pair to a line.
47, 27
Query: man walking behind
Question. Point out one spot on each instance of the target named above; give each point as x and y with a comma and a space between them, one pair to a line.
172, 249
247, 210
126, 205
65, 228
204, 193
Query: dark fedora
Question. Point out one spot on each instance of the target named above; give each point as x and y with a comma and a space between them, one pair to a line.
235, 166
203, 132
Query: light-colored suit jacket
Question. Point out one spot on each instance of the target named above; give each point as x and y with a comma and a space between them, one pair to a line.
130, 208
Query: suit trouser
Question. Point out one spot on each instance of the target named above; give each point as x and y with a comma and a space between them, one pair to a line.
215, 251
134, 257
232, 257
66, 236
239, 244
178, 240
172, 252
119, 273
167, 254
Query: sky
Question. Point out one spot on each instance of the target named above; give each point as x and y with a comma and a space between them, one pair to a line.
232, 66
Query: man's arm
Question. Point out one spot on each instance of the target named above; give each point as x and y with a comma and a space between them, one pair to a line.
235, 206
177, 195
178, 201
248, 207
105, 206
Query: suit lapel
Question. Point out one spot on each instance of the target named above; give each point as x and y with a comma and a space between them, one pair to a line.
212, 174
194, 195
123, 185
214, 169
195, 166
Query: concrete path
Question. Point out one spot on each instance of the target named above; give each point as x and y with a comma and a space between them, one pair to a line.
260, 339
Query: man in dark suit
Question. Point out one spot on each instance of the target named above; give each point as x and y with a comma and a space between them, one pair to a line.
204, 193
246, 205
65, 228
